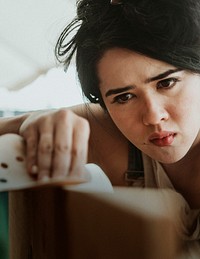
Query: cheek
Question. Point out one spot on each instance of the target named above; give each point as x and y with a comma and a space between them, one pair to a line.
188, 108
127, 122
186, 116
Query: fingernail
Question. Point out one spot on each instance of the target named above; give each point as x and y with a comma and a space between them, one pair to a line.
45, 178
34, 169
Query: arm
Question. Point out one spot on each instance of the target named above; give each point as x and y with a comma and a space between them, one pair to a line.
56, 140
60, 142
13, 124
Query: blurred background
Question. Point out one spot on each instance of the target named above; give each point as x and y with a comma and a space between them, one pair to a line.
30, 77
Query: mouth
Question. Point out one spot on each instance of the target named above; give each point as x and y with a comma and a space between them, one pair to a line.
161, 139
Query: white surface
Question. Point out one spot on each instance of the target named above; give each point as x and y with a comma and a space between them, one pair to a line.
28, 32
54, 90
98, 182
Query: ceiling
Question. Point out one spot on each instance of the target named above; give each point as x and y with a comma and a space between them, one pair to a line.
28, 33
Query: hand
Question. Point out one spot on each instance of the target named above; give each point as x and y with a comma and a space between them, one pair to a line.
56, 143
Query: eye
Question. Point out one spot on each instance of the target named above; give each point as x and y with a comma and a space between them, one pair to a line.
167, 83
123, 98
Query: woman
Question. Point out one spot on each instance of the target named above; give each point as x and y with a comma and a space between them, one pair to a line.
138, 63
140, 60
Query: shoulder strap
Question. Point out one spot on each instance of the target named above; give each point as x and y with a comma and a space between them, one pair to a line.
135, 164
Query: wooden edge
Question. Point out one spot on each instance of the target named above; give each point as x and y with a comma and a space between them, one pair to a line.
54, 223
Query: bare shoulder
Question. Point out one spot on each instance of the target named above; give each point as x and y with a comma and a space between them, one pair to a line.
97, 117
108, 147
101, 125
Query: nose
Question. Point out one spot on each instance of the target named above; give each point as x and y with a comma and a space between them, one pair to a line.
154, 112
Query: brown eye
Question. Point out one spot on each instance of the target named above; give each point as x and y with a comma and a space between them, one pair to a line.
167, 83
123, 98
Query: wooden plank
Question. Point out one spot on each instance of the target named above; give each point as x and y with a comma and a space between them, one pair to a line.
53, 223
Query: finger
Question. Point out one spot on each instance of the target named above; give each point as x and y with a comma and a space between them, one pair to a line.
45, 146
45, 149
62, 149
79, 152
31, 140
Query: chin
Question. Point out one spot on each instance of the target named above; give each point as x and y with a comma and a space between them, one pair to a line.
166, 155
169, 157
168, 161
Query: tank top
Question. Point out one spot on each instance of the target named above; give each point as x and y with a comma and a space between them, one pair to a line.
134, 175
143, 171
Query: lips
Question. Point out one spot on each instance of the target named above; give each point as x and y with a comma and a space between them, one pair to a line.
164, 138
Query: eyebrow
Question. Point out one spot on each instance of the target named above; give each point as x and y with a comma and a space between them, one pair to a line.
118, 90
149, 80
163, 75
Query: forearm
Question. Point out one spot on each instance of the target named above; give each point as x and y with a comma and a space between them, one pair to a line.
12, 124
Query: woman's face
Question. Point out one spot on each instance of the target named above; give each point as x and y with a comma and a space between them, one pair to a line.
155, 105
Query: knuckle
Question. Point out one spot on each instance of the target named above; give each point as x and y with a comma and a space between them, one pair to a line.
84, 125
63, 115
31, 143
45, 148
77, 153
61, 148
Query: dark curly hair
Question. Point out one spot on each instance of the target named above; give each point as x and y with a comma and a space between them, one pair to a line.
166, 30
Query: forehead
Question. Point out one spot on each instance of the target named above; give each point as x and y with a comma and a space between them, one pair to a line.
119, 61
